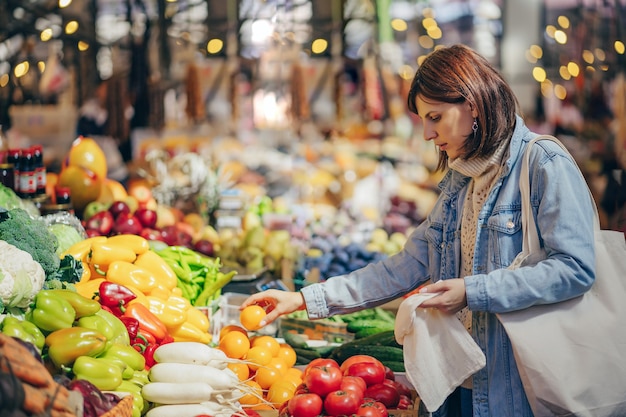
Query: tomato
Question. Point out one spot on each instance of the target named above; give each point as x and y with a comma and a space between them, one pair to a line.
251, 413
404, 403
389, 374
356, 359
323, 379
371, 372
321, 362
341, 403
368, 410
305, 405
383, 393
302, 389
380, 406
399, 386
354, 384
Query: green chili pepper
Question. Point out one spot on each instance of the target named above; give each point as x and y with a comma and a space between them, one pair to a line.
103, 373
24, 330
82, 305
211, 288
127, 354
65, 345
51, 312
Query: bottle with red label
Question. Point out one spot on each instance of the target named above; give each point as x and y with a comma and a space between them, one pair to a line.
14, 159
40, 170
28, 179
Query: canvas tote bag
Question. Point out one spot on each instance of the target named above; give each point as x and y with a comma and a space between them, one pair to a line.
572, 355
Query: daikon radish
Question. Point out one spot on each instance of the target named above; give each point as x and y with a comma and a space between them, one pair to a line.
193, 410
218, 379
177, 393
192, 353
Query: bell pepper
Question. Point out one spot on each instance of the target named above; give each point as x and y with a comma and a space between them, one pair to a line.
127, 371
159, 291
127, 354
148, 322
115, 296
24, 330
199, 319
144, 338
98, 323
169, 313
187, 332
148, 354
89, 289
65, 345
83, 306
136, 243
127, 273
51, 312
139, 404
132, 326
81, 250
119, 329
104, 374
151, 261
104, 253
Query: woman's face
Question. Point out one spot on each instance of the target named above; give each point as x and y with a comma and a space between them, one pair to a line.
447, 125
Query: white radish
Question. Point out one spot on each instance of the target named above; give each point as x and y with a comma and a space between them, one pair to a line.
192, 410
176, 393
218, 379
192, 352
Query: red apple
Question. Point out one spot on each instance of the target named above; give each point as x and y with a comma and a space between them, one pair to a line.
151, 234
205, 247
118, 208
146, 217
127, 224
102, 222
173, 236
92, 233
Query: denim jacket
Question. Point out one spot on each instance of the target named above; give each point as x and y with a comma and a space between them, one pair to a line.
564, 214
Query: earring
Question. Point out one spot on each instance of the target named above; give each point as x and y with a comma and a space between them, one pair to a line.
475, 127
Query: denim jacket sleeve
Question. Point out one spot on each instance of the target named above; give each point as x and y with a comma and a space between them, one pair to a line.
374, 284
564, 214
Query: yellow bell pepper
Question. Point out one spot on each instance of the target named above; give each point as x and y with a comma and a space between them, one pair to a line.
104, 253
81, 250
86, 276
187, 332
151, 261
88, 288
127, 273
136, 243
177, 291
170, 314
160, 291
198, 318
141, 296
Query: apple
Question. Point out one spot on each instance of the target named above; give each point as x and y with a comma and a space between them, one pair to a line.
151, 234
132, 203
174, 236
92, 233
102, 222
127, 224
118, 208
94, 207
146, 216
205, 247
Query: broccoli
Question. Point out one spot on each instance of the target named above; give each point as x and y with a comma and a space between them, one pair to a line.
31, 235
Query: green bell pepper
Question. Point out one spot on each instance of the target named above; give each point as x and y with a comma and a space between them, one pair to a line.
103, 373
119, 329
65, 345
139, 404
140, 377
100, 324
127, 354
51, 312
82, 305
24, 330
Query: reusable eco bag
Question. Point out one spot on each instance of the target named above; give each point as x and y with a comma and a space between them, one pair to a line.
571, 355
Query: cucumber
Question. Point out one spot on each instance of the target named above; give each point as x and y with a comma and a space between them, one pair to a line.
396, 366
357, 325
367, 332
295, 340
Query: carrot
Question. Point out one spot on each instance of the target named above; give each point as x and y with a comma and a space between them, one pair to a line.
23, 364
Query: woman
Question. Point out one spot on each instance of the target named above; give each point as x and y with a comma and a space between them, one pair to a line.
474, 230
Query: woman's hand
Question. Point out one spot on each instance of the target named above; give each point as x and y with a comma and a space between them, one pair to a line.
452, 297
276, 303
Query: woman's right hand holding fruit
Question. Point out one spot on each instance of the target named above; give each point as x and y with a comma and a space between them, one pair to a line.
276, 303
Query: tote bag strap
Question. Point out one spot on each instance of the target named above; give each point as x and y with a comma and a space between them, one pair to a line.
529, 227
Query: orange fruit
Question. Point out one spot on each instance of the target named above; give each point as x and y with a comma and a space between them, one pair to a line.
279, 364
240, 369
280, 392
230, 328
266, 376
287, 353
269, 342
235, 345
251, 316
253, 393
258, 356
85, 152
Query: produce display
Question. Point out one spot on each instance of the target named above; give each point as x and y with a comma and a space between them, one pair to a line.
106, 309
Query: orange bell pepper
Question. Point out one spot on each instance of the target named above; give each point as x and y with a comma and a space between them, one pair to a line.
148, 321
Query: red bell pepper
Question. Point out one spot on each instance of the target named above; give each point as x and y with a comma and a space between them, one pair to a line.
132, 325
115, 296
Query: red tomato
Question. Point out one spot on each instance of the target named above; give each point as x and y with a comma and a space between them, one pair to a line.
380, 406
321, 380
404, 403
354, 384
368, 410
389, 374
302, 389
384, 394
305, 405
399, 386
320, 362
371, 372
341, 403
356, 359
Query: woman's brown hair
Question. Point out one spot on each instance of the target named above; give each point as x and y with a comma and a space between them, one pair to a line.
457, 74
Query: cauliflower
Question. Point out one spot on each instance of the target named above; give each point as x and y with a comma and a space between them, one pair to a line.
21, 277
